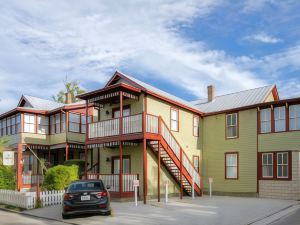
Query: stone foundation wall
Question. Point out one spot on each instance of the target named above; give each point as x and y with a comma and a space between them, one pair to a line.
283, 189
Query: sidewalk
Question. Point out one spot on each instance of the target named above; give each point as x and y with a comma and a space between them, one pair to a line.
207, 211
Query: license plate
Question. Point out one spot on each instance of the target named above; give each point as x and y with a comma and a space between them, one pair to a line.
85, 198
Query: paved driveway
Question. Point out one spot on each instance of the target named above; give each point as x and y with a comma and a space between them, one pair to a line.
205, 210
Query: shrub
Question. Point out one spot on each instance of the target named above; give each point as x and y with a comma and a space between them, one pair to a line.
7, 178
78, 162
59, 177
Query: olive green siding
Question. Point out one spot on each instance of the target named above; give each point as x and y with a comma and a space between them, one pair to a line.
282, 141
190, 144
75, 137
215, 146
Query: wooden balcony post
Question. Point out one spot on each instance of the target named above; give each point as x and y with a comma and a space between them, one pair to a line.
158, 172
121, 113
67, 152
145, 182
121, 146
181, 186
19, 167
86, 138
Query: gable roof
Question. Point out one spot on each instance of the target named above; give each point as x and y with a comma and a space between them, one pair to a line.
151, 90
236, 100
38, 103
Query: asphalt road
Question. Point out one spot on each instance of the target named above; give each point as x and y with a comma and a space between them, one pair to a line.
9, 218
291, 219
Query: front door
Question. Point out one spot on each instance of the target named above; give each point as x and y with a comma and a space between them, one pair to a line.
126, 112
116, 165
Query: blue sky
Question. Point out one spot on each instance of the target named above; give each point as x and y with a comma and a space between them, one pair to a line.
178, 46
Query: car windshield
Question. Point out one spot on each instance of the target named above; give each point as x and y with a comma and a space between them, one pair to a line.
86, 186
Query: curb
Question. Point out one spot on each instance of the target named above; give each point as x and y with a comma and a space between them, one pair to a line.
253, 222
39, 217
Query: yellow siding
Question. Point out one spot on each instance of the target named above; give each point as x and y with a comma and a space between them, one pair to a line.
76, 137
190, 144
215, 145
279, 141
270, 98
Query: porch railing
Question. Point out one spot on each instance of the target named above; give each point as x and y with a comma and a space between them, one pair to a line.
32, 179
113, 181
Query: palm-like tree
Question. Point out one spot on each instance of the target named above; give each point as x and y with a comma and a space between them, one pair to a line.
70, 87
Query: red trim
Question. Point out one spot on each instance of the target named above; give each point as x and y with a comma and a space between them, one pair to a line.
174, 109
145, 178
275, 177
228, 153
158, 172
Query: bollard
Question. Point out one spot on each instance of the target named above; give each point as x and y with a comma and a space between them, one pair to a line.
210, 180
167, 190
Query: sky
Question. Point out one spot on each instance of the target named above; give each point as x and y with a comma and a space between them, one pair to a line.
178, 46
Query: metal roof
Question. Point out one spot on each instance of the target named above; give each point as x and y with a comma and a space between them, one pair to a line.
42, 104
160, 92
234, 100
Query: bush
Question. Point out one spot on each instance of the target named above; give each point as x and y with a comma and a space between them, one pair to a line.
59, 177
7, 178
78, 162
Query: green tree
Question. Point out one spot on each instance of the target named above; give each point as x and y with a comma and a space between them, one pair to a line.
71, 87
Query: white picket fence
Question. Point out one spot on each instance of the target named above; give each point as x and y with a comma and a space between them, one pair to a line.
27, 200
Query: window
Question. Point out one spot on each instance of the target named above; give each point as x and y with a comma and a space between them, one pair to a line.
267, 165
196, 163
294, 117
29, 123
8, 126
18, 123
74, 122
116, 164
265, 120
282, 165
196, 126
43, 125
231, 165
0, 128
63, 122
57, 123
279, 117
174, 119
83, 123
4, 127
231, 125
52, 124
126, 111
13, 125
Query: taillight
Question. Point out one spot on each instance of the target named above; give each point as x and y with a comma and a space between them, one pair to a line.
68, 196
101, 194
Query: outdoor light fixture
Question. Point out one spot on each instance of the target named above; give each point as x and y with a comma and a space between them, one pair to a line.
107, 159
107, 112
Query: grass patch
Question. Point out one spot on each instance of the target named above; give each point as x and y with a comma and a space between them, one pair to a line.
11, 207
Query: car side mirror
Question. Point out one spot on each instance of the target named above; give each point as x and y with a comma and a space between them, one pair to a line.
107, 187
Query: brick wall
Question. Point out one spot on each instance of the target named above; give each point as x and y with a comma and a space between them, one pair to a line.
283, 189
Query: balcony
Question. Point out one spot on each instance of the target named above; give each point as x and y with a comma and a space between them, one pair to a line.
126, 125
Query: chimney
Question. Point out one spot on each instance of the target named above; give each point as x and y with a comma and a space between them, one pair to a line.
68, 98
210, 93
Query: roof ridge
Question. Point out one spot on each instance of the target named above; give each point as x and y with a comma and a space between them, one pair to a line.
271, 85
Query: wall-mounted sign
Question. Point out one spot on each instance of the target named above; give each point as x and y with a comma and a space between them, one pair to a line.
8, 158
136, 183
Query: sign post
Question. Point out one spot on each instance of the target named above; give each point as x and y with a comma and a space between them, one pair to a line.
8, 158
210, 180
136, 184
167, 189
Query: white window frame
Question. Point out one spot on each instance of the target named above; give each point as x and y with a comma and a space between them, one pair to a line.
282, 165
232, 125
294, 117
74, 124
43, 124
264, 121
29, 124
279, 117
230, 154
196, 120
267, 164
174, 120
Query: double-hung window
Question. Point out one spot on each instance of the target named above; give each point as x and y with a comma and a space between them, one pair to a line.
279, 117
282, 165
29, 123
4, 127
265, 120
267, 165
52, 124
294, 112
0, 128
8, 126
43, 125
18, 123
13, 125
57, 123
196, 126
231, 165
174, 119
74, 122
231, 125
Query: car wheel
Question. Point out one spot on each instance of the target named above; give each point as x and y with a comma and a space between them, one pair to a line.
65, 216
108, 213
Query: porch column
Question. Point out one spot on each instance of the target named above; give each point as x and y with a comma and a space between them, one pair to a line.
145, 169
98, 156
67, 152
86, 137
121, 146
19, 167
158, 172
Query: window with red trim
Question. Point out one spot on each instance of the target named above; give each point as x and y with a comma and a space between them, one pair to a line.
231, 165
174, 119
196, 126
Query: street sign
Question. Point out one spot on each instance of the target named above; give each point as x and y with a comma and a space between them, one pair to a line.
210, 179
136, 183
166, 182
8, 158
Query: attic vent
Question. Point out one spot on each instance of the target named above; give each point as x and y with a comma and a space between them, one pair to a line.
210, 93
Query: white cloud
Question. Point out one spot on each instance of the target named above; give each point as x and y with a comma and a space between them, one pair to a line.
255, 5
263, 38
